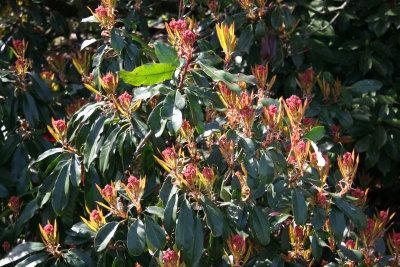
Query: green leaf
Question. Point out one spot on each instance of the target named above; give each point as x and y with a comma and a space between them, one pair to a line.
316, 248
227, 78
159, 212
319, 218
108, 150
196, 112
117, 42
34, 260
337, 223
184, 228
260, 225
75, 171
30, 110
380, 137
173, 103
214, 216
41, 88
363, 144
192, 253
245, 39
266, 167
170, 214
136, 237
61, 190
148, 74
104, 235
166, 54
354, 213
21, 251
88, 42
366, 86
91, 145
316, 133
351, 254
154, 233
299, 205
46, 154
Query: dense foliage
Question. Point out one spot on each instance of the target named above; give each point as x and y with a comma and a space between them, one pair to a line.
213, 133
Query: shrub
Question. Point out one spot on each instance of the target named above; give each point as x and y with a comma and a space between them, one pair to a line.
176, 155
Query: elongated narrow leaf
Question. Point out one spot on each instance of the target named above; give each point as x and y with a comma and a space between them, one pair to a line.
46, 154
300, 211
366, 86
337, 223
266, 168
107, 150
136, 237
91, 145
34, 260
154, 233
260, 225
184, 228
170, 214
148, 74
192, 253
61, 190
316, 248
104, 235
214, 216
197, 113
354, 213
21, 251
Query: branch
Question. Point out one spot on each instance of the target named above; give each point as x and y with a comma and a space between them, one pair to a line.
141, 145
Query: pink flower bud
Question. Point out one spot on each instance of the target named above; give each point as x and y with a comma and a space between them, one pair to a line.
238, 243
6, 246
169, 153
95, 215
60, 126
108, 80
370, 226
108, 191
308, 122
383, 216
99, 98
190, 173
207, 174
13, 202
125, 99
348, 160
18, 45
307, 77
350, 244
301, 147
298, 232
170, 258
49, 229
293, 102
181, 25
358, 193
321, 200
188, 37
396, 238
101, 12
272, 110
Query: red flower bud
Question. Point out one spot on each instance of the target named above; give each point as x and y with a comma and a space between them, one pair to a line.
49, 229
6, 246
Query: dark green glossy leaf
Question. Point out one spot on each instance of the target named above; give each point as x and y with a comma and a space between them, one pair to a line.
337, 223
214, 216
21, 251
319, 218
117, 41
185, 226
316, 248
61, 190
91, 145
260, 225
366, 86
108, 150
136, 237
33, 260
154, 233
354, 213
170, 214
266, 167
299, 205
192, 252
104, 235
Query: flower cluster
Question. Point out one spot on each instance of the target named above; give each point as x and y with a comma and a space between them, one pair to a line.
171, 258
348, 170
182, 38
50, 238
96, 220
15, 206
135, 189
306, 82
237, 247
105, 15
22, 64
261, 73
110, 194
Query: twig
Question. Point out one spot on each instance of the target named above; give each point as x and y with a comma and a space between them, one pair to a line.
141, 145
